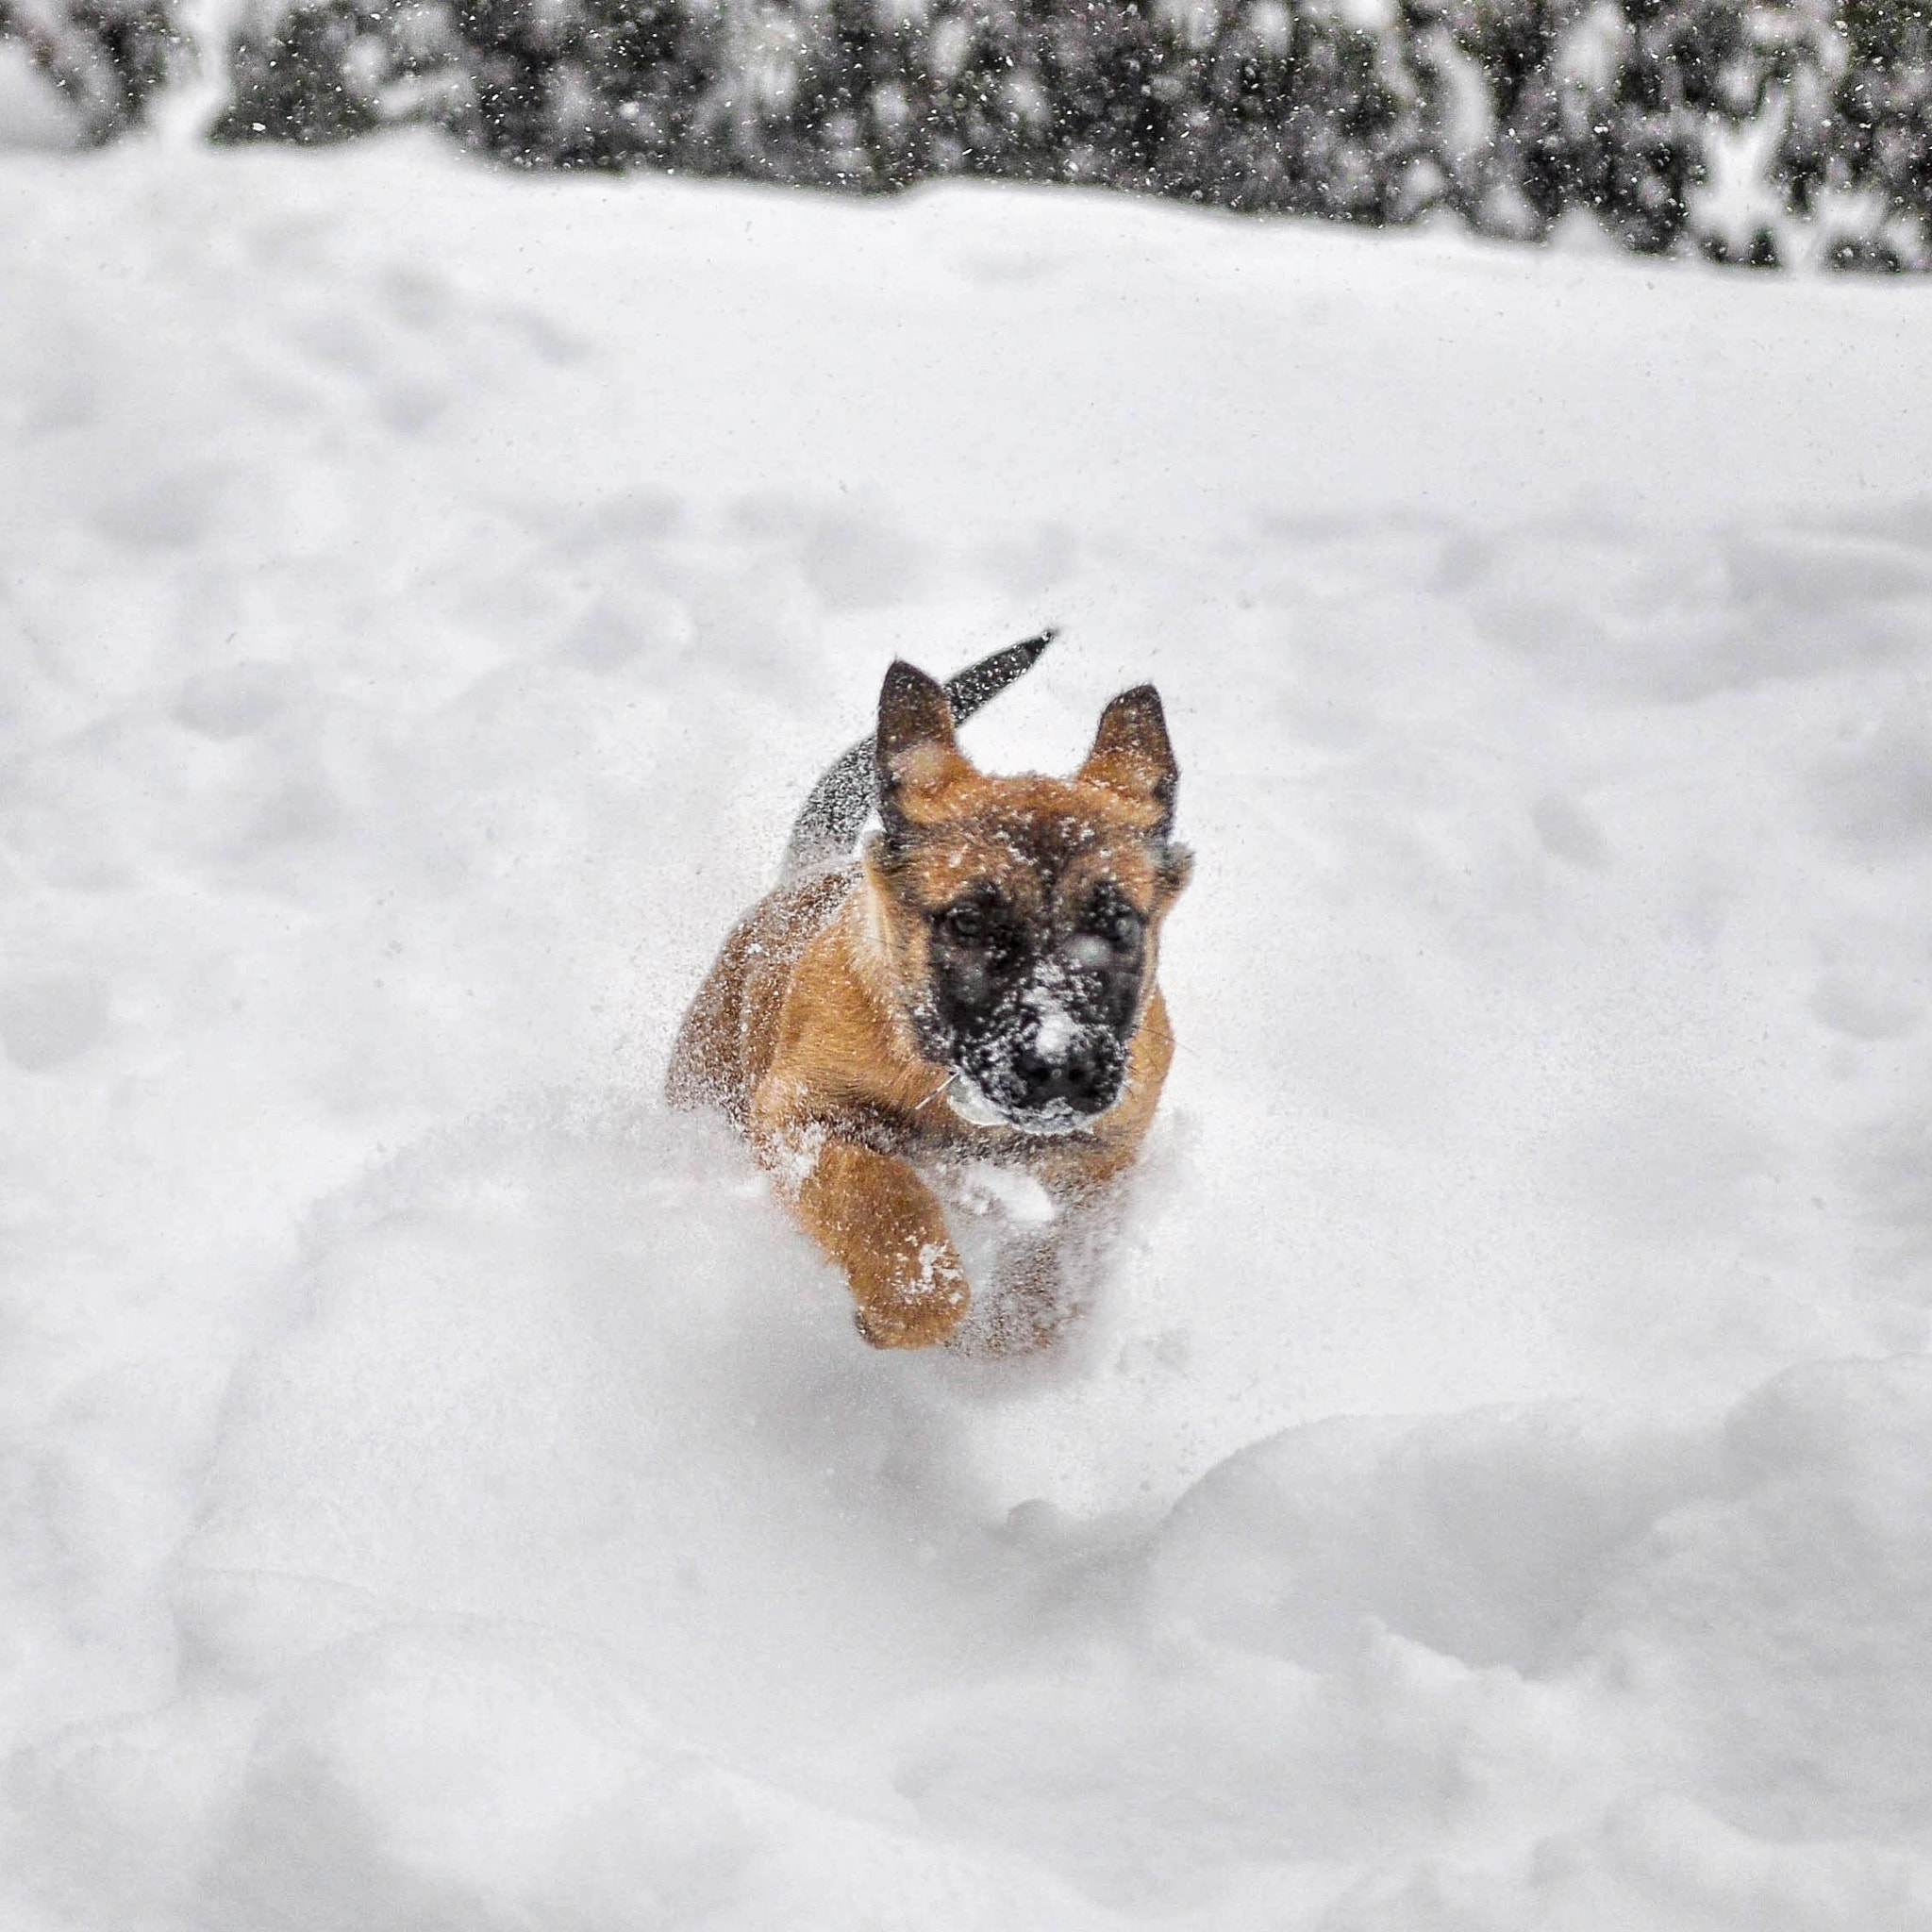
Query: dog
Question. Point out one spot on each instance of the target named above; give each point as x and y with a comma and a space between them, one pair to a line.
969, 1004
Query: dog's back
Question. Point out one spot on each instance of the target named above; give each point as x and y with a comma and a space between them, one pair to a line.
847, 792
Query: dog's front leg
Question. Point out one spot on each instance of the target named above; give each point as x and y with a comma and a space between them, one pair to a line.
876, 1219
1046, 1277
1032, 1302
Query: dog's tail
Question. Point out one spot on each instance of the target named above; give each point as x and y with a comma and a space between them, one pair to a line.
844, 799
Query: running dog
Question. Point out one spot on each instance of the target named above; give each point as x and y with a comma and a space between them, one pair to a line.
969, 1002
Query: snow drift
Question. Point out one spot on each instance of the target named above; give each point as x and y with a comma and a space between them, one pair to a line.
439, 1489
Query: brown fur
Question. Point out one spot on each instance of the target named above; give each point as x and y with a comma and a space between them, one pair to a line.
802, 1033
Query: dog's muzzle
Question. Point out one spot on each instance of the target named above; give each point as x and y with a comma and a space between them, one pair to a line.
1049, 1079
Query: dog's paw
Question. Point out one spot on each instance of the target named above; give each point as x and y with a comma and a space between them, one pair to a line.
918, 1313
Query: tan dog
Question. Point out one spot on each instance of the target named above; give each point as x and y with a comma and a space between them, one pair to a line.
976, 996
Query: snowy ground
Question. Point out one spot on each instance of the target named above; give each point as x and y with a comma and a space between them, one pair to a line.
435, 1491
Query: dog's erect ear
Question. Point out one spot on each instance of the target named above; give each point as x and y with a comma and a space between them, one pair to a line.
1131, 754
915, 754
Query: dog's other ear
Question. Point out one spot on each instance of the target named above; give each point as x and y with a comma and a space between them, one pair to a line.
1131, 754
915, 754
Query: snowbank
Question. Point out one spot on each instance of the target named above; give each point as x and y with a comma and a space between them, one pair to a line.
437, 1489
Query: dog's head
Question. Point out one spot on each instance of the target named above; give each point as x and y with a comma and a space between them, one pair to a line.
1022, 915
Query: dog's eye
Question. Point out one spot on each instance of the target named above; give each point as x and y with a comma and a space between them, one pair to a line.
1111, 917
968, 924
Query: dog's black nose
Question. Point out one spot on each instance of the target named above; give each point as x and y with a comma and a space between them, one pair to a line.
1083, 1075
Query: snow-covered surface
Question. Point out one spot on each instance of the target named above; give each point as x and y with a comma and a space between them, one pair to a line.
437, 1491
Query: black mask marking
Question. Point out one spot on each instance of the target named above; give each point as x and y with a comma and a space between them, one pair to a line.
1036, 1012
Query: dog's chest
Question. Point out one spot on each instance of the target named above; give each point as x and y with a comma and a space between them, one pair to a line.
991, 1191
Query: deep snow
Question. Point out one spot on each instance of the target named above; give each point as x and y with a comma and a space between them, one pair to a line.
436, 1489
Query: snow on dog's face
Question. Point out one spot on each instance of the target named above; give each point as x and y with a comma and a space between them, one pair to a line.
1022, 915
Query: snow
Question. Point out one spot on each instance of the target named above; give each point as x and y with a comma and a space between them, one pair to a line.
438, 1489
